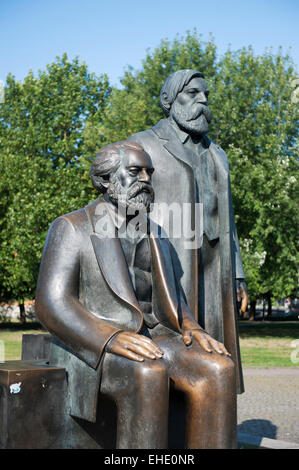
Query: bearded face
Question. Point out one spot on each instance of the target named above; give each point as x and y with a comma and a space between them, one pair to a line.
190, 108
137, 197
194, 119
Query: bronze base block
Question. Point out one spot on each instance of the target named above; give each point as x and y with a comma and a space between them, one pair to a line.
32, 402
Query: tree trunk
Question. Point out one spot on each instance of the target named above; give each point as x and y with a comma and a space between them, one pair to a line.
22, 312
263, 317
269, 300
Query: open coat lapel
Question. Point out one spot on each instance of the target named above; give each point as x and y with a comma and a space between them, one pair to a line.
165, 296
172, 143
112, 263
110, 256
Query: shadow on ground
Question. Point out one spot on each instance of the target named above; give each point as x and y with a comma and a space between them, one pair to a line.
259, 428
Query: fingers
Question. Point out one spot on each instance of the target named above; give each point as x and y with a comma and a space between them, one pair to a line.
209, 344
121, 351
220, 348
187, 337
244, 300
143, 351
203, 340
135, 347
141, 343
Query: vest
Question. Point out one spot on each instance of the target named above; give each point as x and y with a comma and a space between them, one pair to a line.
206, 188
138, 257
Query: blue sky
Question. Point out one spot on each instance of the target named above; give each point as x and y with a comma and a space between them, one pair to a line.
109, 35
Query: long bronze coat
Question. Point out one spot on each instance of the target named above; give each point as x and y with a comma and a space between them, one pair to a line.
174, 181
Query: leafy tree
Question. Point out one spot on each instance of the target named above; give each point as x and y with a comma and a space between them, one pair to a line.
135, 106
41, 154
45, 116
38, 194
52, 126
255, 121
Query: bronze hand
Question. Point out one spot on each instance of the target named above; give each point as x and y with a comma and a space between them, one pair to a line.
190, 329
242, 294
134, 346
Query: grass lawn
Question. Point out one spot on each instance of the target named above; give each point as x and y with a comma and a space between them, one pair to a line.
268, 344
262, 344
12, 338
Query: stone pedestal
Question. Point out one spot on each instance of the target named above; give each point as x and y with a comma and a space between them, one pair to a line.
32, 405
35, 407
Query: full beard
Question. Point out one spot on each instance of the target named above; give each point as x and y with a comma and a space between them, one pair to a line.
194, 121
138, 198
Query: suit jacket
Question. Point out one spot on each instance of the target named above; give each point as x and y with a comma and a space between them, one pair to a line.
85, 296
175, 181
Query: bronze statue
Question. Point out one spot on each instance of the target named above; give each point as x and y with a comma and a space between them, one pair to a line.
191, 169
109, 292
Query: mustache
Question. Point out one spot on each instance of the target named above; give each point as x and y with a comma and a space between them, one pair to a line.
198, 111
140, 188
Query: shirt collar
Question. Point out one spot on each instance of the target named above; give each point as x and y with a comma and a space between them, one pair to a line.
182, 135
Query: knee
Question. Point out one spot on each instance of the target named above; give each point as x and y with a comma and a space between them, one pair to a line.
222, 368
150, 370
211, 367
151, 381
121, 375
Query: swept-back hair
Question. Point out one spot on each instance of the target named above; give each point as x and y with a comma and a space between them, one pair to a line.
173, 85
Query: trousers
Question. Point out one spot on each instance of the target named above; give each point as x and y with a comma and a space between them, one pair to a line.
141, 391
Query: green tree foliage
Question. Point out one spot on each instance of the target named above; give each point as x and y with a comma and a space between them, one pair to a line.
51, 127
256, 123
46, 115
135, 106
41, 154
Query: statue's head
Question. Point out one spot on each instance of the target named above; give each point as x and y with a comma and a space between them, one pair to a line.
184, 98
123, 172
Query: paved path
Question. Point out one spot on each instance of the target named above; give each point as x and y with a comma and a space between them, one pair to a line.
270, 405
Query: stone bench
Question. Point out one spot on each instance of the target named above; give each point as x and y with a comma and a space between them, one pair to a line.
32, 402
34, 399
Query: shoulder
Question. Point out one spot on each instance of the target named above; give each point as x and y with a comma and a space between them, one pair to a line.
69, 225
74, 218
209, 143
142, 137
219, 155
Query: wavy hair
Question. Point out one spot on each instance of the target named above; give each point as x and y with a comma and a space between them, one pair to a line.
107, 161
173, 85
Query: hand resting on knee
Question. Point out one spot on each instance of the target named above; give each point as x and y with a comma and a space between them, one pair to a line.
134, 346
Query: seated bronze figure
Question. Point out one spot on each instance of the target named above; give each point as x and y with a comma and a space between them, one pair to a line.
109, 293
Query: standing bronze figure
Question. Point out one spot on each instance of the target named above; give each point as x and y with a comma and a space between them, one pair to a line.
193, 170
109, 291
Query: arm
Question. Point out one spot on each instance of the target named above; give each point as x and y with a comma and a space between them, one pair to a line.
57, 296
241, 288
